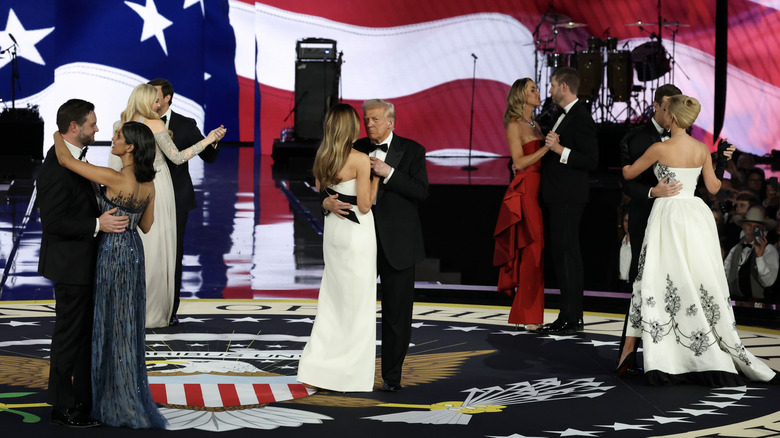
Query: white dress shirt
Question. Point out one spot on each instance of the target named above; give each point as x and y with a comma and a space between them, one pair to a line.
566, 151
76, 151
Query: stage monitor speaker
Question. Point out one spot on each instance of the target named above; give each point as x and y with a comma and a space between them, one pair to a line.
316, 90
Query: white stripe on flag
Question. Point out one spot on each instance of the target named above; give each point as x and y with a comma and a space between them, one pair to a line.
175, 394
281, 391
246, 394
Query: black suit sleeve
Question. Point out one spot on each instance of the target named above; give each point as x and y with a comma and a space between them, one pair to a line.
585, 148
412, 181
635, 143
55, 195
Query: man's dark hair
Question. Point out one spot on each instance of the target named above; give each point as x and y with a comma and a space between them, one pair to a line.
665, 90
568, 76
74, 110
167, 88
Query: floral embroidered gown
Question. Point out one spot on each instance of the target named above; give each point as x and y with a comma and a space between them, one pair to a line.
680, 303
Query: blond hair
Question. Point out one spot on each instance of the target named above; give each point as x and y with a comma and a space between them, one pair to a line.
140, 102
376, 103
515, 101
684, 109
340, 130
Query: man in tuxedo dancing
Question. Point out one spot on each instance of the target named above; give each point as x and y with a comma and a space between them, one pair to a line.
185, 134
400, 163
645, 188
565, 191
71, 220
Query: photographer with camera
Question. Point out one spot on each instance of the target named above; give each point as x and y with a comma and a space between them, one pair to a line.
752, 264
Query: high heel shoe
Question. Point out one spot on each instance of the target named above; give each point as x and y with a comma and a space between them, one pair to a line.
628, 366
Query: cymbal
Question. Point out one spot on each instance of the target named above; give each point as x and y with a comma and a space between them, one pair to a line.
675, 24
641, 23
556, 18
571, 25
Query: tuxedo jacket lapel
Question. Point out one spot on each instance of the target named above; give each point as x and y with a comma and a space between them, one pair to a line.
394, 153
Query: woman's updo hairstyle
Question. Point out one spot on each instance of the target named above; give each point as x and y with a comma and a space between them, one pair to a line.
684, 109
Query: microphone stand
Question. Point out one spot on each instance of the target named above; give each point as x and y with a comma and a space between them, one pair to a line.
469, 167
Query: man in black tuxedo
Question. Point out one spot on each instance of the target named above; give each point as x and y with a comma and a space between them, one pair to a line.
646, 187
565, 190
400, 163
70, 219
185, 134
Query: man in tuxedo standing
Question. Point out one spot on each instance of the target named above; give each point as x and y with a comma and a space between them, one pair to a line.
71, 220
565, 191
185, 134
646, 187
400, 163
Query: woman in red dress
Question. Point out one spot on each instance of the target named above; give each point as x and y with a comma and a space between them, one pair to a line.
519, 232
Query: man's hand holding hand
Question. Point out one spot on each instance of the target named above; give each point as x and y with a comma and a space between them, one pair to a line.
665, 189
380, 168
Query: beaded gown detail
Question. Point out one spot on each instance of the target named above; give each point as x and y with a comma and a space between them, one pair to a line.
680, 304
120, 387
341, 352
519, 236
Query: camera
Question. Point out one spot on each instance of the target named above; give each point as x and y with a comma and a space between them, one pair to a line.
725, 206
759, 233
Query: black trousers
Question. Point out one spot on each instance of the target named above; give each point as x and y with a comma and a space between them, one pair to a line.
397, 304
70, 377
181, 226
564, 240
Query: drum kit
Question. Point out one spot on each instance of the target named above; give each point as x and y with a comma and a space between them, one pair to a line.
649, 60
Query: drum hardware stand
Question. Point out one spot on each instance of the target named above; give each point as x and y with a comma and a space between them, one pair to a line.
469, 167
14, 70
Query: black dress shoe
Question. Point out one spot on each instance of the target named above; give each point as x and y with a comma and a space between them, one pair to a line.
391, 387
174, 321
72, 418
553, 327
629, 366
556, 328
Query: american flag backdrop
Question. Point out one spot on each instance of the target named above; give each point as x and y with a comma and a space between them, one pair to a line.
232, 61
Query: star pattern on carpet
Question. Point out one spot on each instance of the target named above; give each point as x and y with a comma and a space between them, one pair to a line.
597, 343
304, 320
196, 345
512, 332
191, 319
19, 323
514, 435
465, 329
697, 412
247, 319
574, 432
560, 337
422, 324
276, 346
719, 405
616, 426
666, 420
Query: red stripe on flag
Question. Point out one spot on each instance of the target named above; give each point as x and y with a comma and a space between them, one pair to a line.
228, 394
159, 394
194, 394
264, 393
297, 390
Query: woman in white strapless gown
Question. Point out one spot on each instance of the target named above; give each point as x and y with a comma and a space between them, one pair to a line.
680, 304
160, 242
341, 352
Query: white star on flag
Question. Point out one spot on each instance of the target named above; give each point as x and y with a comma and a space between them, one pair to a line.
188, 3
26, 39
154, 23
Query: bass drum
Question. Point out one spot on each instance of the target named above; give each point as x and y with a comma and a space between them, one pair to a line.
557, 60
650, 61
590, 69
620, 75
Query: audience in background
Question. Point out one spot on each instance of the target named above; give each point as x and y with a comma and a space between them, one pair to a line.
752, 264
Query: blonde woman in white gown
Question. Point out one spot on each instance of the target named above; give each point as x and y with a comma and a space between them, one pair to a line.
341, 352
160, 242
680, 304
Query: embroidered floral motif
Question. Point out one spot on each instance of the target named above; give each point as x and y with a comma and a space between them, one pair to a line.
663, 171
711, 310
635, 316
656, 332
650, 302
699, 342
692, 310
641, 263
671, 298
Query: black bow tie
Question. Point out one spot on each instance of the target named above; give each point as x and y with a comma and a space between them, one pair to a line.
746, 245
164, 119
83, 153
374, 147
666, 133
563, 113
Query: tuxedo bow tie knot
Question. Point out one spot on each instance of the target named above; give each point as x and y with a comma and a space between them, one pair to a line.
83, 153
666, 133
374, 147
747, 245
164, 119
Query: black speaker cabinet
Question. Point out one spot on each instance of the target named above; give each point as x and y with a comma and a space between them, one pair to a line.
316, 90
21, 133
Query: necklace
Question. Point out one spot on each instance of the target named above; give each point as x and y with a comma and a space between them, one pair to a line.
531, 124
679, 133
